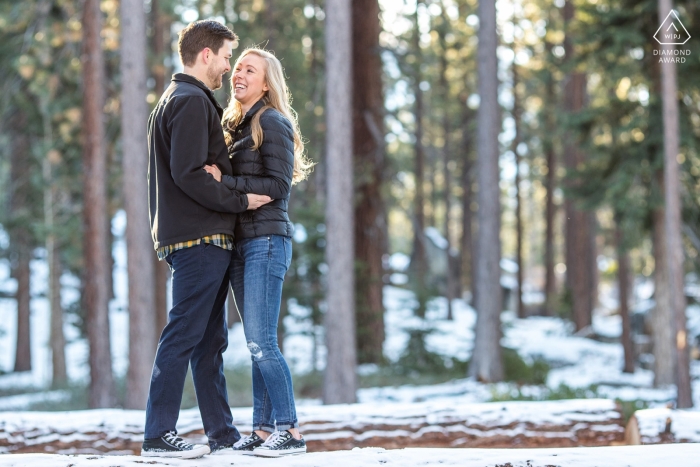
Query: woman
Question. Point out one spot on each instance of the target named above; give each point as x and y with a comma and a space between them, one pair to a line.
266, 153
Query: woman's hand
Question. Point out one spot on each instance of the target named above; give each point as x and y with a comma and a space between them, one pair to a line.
255, 201
215, 172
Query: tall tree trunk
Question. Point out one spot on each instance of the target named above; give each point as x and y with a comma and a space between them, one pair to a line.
550, 207
96, 236
368, 144
662, 323
419, 265
452, 280
57, 338
672, 218
340, 378
578, 222
19, 233
467, 241
161, 29
142, 301
662, 318
518, 201
23, 353
624, 282
486, 363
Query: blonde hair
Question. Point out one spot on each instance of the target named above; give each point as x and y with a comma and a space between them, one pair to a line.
277, 97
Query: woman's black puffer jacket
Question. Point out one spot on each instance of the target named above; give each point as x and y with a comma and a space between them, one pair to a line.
266, 171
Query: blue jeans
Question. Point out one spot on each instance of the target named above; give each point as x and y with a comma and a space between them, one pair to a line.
258, 266
196, 334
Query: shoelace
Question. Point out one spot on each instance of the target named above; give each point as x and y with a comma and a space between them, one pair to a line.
172, 438
274, 440
243, 441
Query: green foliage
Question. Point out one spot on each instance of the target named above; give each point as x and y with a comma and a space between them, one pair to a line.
516, 370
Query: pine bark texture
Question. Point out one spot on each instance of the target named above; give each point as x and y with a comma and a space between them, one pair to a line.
340, 378
140, 266
624, 281
550, 207
19, 233
161, 29
23, 347
579, 255
662, 323
518, 197
57, 339
466, 178
486, 363
95, 220
672, 218
452, 278
368, 145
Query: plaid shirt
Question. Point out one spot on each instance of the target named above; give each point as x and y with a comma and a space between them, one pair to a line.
224, 241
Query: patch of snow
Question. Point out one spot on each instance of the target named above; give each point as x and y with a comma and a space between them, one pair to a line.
683, 455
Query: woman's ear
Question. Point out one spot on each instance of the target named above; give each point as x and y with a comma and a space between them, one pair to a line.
265, 88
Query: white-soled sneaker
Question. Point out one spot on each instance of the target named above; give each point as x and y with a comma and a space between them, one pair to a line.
246, 444
171, 445
280, 444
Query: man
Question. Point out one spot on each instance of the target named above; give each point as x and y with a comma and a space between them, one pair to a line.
192, 218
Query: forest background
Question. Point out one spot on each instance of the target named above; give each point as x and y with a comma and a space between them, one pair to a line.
519, 155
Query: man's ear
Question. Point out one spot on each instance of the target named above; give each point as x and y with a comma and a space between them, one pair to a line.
206, 55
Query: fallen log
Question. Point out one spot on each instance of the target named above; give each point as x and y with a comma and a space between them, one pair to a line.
446, 423
663, 426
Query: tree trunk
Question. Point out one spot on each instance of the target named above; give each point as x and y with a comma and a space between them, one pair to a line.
23, 353
161, 30
368, 144
578, 225
418, 261
96, 236
19, 233
662, 323
672, 218
467, 252
142, 301
486, 363
452, 280
518, 201
624, 282
340, 379
159, 26
57, 338
550, 207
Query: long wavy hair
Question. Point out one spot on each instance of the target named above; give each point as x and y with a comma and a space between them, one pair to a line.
276, 97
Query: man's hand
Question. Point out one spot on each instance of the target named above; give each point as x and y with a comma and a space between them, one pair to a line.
214, 171
255, 201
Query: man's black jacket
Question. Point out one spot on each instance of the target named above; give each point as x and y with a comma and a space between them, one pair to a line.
266, 171
184, 134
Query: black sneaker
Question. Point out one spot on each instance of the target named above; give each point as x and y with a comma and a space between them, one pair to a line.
279, 444
170, 445
246, 444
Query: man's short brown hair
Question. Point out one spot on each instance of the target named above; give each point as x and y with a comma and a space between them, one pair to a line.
200, 35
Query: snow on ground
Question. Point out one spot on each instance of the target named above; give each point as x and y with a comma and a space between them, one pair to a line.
684, 455
576, 362
653, 423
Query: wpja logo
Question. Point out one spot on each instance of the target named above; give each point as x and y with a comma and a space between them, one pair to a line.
672, 32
